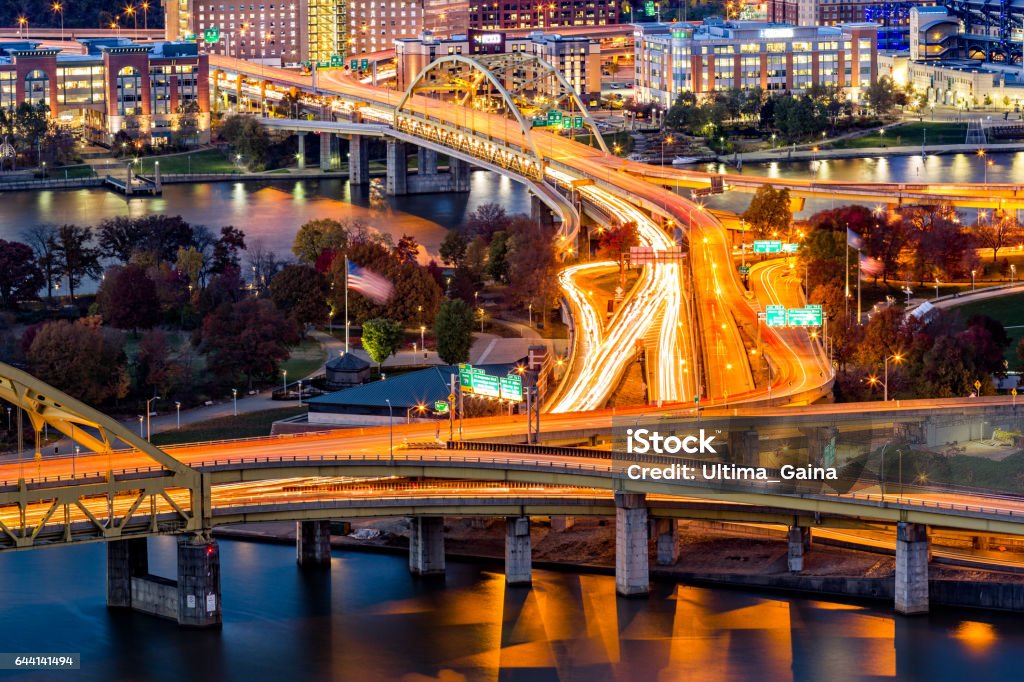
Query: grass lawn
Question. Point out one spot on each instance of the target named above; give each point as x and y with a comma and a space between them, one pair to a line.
245, 425
1007, 309
908, 135
202, 161
305, 359
72, 172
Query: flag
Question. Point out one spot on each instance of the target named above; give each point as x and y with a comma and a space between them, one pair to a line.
853, 240
368, 283
870, 266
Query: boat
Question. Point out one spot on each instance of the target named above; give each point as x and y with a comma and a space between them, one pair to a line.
685, 160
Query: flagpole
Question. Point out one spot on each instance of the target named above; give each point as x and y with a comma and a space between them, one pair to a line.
346, 305
846, 298
858, 287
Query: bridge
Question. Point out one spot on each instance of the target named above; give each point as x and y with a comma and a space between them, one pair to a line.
121, 495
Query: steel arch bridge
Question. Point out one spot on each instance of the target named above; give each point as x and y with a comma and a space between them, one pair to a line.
440, 104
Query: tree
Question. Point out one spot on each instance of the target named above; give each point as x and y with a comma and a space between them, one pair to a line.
453, 248
41, 239
225, 249
476, 258
247, 138
161, 236
186, 133
127, 298
497, 257
769, 212
486, 219
882, 96
381, 339
453, 329
246, 339
318, 236
155, 371
74, 257
617, 240
301, 292
189, 262
407, 249
20, 275
532, 264
999, 231
80, 358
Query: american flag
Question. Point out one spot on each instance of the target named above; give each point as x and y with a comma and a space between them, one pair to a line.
871, 266
368, 283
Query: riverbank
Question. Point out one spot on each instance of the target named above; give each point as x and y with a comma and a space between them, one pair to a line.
710, 554
788, 154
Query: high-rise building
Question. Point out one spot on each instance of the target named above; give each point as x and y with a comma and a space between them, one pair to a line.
445, 18
374, 25
327, 29
533, 14
835, 12
271, 32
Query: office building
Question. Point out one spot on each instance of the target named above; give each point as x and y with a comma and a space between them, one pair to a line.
374, 25
275, 32
717, 55
113, 84
511, 14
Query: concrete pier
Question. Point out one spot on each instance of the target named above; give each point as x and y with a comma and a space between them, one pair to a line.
799, 542
667, 533
632, 572
562, 523
126, 559
300, 155
460, 171
359, 160
518, 551
397, 183
330, 152
313, 543
426, 545
198, 582
426, 161
911, 568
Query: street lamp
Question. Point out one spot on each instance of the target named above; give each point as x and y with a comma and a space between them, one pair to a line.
423, 344
8, 419
530, 308
391, 432
140, 425
481, 312
23, 25
896, 357
300, 392
59, 9
234, 401
177, 406
972, 280
419, 407
284, 383
156, 397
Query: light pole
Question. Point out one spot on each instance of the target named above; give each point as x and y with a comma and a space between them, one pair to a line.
937, 282
140, 426
530, 308
148, 410
391, 432
23, 25
74, 456
284, 383
896, 357
972, 280
8, 419
300, 392
419, 407
423, 344
145, 16
234, 401
481, 312
177, 406
59, 9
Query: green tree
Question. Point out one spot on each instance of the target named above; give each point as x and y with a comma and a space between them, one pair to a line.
497, 257
74, 256
453, 248
80, 358
381, 339
532, 264
247, 139
316, 237
453, 329
190, 263
301, 293
20, 275
769, 212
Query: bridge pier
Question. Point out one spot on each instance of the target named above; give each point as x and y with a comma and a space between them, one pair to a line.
667, 531
632, 573
359, 160
301, 154
330, 151
313, 543
426, 161
198, 582
911, 568
461, 174
397, 182
518, 551
799, 542
426, 545
539, 212
126, 559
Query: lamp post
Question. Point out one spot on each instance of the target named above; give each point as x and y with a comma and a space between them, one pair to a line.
480, 311
423, 344
896, 357
140, 425
530, 308
148, 410
145, 16
8, 419
177, 407
300, 392
23, 25
284, 383
59, 9
234, 401
972, 280
418, 407
391, 432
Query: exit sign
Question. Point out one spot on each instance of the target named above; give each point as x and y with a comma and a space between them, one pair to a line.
775, 315
211, 35
767, 246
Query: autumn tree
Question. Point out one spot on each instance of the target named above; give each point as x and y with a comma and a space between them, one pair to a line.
301, 293
122, 237
407, 249
532, 265
317, 236
20, 275
127, 298
248, 339
226, 248
996, 231
453, 248
486, 219
616, 240
381, 339
80, 358
497, 257
769, 212
453, 329
74, 255
156, 372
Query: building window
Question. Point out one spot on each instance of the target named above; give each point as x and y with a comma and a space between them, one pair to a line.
37, 87
129, 92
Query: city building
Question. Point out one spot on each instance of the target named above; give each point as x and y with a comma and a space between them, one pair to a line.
275, 32
112, 84
577, 58
374, 25
445, 18
532, 14
717, 55
892, 16
326, 30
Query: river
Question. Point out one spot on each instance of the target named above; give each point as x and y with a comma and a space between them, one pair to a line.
367, 619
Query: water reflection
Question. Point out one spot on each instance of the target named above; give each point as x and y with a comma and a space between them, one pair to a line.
366, 618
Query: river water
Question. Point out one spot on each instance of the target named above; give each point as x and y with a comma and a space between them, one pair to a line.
368, 619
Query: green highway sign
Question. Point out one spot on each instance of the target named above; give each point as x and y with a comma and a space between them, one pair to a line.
540, 122
554, 117
767, 246
441, 406
211, 35
775, 315
478, 382
790, 248
511, 387
486, 385
353, 64
804, 317
577, 122
744, 269
364, 63
567, 122
649, 8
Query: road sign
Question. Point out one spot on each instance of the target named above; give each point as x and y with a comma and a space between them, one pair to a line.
441, 406
567, 122
790, 248
577, 122
211, 35
977, 385
540, 122
775, 315
364, 64
744, 270
478, 382
696, 399
649, 8
767, 246
511, 387
554, 117
804, 317
353, 64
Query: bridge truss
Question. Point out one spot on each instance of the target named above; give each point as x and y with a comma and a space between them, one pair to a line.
454, 99
157, 495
